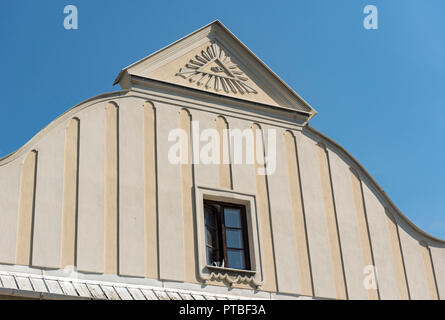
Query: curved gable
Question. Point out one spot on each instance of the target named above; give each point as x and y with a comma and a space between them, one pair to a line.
96, 195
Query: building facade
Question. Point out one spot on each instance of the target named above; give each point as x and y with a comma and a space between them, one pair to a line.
202, 179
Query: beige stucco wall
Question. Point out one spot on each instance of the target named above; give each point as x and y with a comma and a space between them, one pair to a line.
319, 223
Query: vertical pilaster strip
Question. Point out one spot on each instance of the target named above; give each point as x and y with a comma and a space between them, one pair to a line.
429, 271
150, 192
26, 209
264, 219
331, 219
402, 282
111, 190
70, 195
224, 169
187, 203
298, 215
362, 224
170, 217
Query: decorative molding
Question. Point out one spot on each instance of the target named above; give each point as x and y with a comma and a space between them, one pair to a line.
214, 69
232, 276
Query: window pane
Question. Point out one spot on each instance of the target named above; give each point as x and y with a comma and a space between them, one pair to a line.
232, 217
236, 259
212, 257
234, 238
209, 216
211, 237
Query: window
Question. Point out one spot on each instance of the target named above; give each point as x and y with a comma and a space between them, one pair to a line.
226, 235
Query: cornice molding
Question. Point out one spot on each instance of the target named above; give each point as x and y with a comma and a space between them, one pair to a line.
296, 116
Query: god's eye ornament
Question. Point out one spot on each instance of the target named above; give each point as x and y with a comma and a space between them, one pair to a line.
214, 69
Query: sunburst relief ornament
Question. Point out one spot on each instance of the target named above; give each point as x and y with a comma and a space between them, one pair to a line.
214, 69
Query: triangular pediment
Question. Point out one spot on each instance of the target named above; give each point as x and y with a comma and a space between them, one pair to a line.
212, 59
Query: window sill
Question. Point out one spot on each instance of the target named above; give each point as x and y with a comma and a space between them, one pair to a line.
232, 276
224, 269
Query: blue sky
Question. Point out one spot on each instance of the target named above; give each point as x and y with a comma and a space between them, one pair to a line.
379, 93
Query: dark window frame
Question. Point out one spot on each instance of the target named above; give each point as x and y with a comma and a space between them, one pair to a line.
221, 231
